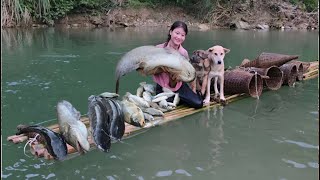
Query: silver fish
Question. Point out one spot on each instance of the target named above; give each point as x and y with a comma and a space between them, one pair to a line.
164, 89
149, 59
152, 123
156, 106
148, 87
158, 99
153, 111
74, 130
171, 104
137, 100
139, 91
170, 108
148, 117
176, 99
168, 94
132, 113
147, 96
163, 104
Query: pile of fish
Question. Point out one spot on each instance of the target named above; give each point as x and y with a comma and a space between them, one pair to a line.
107, 116
106, 119
145, 104
72, 131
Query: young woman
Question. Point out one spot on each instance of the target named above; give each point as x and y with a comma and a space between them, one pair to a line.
176, 37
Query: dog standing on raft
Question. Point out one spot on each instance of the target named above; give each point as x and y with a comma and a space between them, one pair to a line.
201, 64
216, 57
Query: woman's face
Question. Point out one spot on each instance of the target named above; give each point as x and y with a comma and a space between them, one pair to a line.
178, 35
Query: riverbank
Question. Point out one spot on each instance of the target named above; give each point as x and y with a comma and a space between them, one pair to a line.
268, 16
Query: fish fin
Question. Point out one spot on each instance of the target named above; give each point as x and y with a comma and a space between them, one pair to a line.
82, 138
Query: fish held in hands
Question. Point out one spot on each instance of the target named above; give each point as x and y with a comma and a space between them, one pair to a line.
150, 60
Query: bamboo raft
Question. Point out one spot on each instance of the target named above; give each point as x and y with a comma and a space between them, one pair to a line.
39, 150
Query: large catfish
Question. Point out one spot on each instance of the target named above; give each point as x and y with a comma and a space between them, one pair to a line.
74, 130
54, 142
149, 60
100, 121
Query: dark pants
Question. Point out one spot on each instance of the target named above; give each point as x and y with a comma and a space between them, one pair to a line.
187, 96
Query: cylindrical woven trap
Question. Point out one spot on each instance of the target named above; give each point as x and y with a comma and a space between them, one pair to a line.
289, 74
265, 60
299, 69
272, 76
238, 81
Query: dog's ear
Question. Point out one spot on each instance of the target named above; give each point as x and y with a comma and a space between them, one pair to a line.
226, 50
203, 54
206, 63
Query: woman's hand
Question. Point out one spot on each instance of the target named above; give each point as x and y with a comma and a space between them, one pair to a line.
172, 80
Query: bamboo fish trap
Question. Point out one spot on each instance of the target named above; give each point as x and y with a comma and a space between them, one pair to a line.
265, 60
272, 76
238, 81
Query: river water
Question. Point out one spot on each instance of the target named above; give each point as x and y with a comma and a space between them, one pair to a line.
274, 137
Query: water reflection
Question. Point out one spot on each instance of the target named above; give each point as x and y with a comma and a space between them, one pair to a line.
212, 119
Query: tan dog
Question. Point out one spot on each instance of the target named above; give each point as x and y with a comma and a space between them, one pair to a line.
201, 64
216, 57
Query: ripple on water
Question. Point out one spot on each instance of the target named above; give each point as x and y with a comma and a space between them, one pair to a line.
49, 176
313, 165
314, 113
4, 176
295, 164
301, 144
182, 171
59, 56
200, 168
164, 173
110, 178
11, 91
113, 53
31, 175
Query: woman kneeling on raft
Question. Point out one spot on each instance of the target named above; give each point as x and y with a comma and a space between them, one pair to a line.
176, 37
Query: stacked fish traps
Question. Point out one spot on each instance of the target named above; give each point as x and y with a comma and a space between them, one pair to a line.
268, 70
277, 69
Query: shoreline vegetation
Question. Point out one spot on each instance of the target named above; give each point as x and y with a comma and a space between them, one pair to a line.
201, 14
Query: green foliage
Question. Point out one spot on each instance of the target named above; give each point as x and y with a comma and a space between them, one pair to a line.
311, 5
139, 3
49, 10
